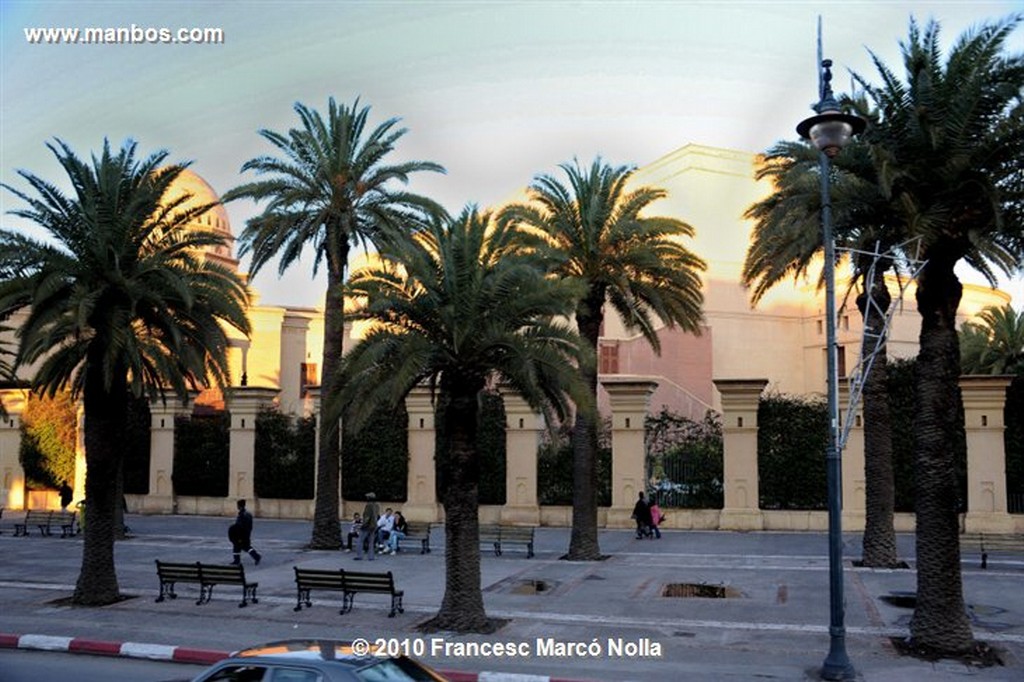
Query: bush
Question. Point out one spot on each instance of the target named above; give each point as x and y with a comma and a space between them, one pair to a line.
791, 439
376, 458
1014, 438
903, 405
137, 447
554, 468
201, 455
685, 460
49, 431
285, 455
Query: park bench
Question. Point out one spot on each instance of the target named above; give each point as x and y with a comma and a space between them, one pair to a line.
206, 575
374, 583
65, 520
417, 531
309, 579
501, 536
987, 544
40, 518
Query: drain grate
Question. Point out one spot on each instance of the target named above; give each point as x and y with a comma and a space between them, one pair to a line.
699, 591
531, 587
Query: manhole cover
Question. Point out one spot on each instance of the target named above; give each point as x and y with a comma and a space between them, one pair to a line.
699, 591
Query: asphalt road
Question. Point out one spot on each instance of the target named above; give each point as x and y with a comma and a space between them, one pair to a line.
34, 666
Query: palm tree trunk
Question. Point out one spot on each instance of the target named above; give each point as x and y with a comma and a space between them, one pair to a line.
104, 426
879, 546
583, 542
462, 607
326, 527
940, 619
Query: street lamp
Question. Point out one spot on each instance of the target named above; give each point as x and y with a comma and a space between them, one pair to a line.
829, 131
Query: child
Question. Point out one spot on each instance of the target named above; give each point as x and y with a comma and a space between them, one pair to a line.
656, 517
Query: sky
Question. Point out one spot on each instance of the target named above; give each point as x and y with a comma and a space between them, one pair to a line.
496, 92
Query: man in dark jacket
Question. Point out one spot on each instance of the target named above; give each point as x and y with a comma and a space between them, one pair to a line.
642, 515
240, 534
368, 531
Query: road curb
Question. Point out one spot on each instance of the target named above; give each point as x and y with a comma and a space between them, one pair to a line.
179, 654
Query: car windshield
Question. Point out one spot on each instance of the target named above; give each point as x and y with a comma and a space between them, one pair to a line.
395, 670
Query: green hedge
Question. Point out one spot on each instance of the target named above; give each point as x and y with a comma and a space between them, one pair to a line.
1014, 437
791, 438
554, 468
201, 460
136, 444
490, 443
48, 439
376, 458
285, 455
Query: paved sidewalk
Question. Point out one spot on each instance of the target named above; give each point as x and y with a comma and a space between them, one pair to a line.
605, 621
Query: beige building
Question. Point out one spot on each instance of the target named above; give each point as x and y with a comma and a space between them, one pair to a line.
780, 345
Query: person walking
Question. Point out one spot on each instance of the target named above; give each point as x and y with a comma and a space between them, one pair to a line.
656, 517
240, 534
642, 516
368, 531
66, 495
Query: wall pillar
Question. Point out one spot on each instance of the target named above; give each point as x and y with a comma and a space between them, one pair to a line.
523, 428
740, 398
854, 477
421, 497
161, 498
244, 402
12, 475
629, 397
984, 400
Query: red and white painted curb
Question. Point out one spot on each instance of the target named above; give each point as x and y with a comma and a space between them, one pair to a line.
180, 654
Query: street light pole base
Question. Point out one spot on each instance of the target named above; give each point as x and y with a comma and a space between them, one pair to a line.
837, 664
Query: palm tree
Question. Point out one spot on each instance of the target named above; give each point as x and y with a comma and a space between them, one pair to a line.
330, 189
597, 237
995, 343
461, 306
121, 300
785, 241
947, 146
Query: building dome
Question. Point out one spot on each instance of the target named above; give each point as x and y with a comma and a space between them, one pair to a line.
199, 192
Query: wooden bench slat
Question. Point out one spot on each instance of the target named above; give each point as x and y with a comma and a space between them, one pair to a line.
308, 579
498, 535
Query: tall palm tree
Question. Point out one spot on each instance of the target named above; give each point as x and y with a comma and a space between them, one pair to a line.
785, 241
947, 146
121, 300
461, 306
330, 188
596, 235
995, 343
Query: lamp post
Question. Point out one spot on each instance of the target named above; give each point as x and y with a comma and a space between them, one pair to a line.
829, 130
